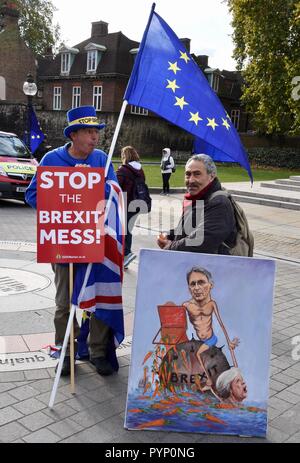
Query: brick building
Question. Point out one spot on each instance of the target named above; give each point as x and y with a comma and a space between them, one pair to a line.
93, 72
16, 59
228, 86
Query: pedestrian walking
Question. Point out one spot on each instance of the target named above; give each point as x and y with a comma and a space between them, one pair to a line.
128, 174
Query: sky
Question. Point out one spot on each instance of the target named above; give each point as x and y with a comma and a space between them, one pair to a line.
205, 22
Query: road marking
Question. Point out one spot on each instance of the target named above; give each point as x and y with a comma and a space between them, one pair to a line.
24, 246
24, 361
15, 281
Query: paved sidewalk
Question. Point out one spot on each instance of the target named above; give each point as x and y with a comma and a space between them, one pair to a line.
96, 412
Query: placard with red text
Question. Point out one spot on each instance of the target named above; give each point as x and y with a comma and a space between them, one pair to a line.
70, 214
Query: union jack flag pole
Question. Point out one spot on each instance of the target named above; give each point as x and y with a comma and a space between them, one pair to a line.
98, 287
72, 350
62, 356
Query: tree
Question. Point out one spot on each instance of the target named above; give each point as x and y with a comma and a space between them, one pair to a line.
36, 25
267, 49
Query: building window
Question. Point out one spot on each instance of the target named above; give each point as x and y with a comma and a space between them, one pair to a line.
2, 88
57, 98
76, 97
213, 80
235, 118
91, 61
94, 55
97, 97
139, 111
65, 63
216, 82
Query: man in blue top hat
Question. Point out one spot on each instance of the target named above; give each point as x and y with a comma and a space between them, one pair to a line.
83, 131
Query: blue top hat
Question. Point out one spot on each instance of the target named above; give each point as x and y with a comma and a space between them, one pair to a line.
82, 118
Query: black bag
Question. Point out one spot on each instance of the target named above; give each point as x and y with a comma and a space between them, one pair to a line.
141, 193
166, 164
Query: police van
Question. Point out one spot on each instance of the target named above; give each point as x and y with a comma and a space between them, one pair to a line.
17, 166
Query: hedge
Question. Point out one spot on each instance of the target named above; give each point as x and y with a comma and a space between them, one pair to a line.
275, 157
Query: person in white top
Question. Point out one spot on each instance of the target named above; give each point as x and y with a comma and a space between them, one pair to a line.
166, 165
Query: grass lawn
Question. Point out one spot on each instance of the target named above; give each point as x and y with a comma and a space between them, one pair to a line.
225, 174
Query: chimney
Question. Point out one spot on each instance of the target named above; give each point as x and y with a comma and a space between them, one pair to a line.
186, 43
99, 28
202, 60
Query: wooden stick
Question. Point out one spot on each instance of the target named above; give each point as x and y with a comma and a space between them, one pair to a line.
72, 353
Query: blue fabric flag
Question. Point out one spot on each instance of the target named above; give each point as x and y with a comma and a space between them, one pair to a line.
201, 146
166, 80
36, 133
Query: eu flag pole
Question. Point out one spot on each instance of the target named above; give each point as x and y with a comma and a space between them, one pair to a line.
166, 80
125, 102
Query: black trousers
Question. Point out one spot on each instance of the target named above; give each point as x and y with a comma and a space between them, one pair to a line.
166, 185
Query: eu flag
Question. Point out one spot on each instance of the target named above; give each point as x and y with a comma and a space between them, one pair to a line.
166, 80
36, 133
201, 146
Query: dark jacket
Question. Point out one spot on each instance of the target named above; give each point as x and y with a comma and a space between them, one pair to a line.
205, 229
126, 175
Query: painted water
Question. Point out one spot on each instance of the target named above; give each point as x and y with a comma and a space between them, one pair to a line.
194, 412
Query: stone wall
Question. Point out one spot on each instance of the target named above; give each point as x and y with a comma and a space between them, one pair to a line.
146, 133
13, 118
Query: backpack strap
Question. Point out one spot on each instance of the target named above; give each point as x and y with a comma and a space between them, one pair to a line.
223, 192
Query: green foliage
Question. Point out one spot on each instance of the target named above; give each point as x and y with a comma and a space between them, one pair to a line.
267, 49
36, 25
275, 157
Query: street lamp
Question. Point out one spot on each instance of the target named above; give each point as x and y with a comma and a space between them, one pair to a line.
29, 89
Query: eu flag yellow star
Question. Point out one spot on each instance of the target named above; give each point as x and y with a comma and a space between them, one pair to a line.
180, 102
212, 123
172, 85
173, 67
195, 118
225, 123
184, 56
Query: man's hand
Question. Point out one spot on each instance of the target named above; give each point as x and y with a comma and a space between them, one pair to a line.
162, 240
235, 342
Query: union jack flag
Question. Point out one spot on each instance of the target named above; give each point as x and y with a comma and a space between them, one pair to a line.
98, 286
